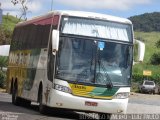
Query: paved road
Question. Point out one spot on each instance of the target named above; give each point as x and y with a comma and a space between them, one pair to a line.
138, 103
144, 104
8, 110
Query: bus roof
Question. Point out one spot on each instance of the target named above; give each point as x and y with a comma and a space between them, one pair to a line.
77, 14
94, 15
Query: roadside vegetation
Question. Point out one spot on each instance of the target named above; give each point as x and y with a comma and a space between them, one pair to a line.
6, 30
151, 60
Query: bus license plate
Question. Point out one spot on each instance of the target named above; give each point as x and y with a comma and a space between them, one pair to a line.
87, 103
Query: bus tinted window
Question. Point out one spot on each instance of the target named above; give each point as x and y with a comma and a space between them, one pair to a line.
35, 35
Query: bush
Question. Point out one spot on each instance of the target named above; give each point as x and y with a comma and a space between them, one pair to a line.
135, 87
138, 78
157, 44
2, 79
155, 59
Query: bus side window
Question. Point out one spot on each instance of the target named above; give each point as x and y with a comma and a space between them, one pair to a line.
14, 38
43, 32
21, 38
46, 33
25, 37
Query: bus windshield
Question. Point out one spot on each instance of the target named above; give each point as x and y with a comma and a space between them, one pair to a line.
94, 61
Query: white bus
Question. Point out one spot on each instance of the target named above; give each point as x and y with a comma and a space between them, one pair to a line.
73, 60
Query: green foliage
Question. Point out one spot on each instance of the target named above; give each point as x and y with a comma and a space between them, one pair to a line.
9, 22
146, 22
6, 29
2, 35
136, 52
155, 59
150, 39
2, 79
157, 44
135, 87
3, 61
5, 36
138, 78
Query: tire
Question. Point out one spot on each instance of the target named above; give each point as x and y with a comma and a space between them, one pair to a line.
25, 103
42, 108
154, 92
15, 99
104, 116
11, 89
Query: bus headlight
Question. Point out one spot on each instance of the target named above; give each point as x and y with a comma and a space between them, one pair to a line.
62, 88
121, 95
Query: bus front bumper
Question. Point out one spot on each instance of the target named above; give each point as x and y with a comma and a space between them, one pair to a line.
60, 99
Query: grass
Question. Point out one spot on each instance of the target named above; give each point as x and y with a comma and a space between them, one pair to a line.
150, 39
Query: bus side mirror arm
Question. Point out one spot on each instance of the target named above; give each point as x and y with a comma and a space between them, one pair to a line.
55, 41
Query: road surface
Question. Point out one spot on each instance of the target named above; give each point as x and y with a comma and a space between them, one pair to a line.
138, 103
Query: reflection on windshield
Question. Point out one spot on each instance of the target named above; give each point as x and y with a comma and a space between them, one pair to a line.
94, 62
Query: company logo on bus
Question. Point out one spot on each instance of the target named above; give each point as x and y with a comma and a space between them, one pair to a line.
82, 87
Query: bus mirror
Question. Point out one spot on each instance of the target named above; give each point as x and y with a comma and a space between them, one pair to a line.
55, 40
140, 51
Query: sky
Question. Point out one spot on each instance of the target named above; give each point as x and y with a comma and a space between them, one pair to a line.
121, 8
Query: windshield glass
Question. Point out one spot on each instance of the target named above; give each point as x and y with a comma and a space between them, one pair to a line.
96, 28
149, 83
94, 61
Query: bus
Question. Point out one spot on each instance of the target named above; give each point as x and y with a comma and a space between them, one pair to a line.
72, 60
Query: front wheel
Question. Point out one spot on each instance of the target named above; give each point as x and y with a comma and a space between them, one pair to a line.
42, 108
15, 98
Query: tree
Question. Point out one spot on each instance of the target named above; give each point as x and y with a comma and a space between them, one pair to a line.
146, 22
8, 36
2, 79
24, 8
5, 36
2, 35
3, 62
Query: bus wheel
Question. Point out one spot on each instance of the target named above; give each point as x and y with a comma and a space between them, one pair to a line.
42, 108
11, 88
15, 99
104, 116
25, 103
